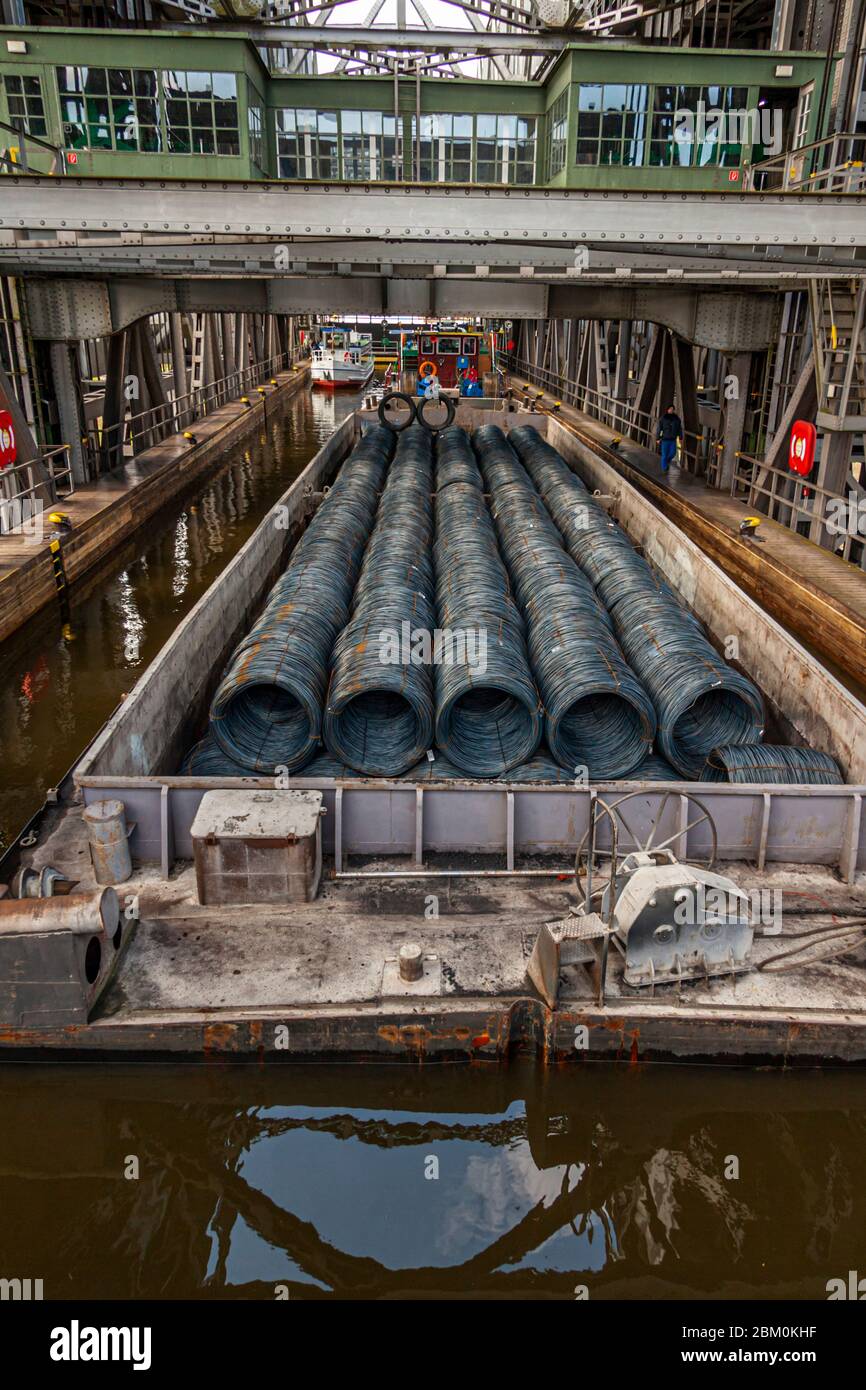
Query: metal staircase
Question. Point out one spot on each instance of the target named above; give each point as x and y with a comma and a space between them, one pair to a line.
839, 327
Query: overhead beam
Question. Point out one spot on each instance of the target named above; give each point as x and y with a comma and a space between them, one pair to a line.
417, 40
423, 212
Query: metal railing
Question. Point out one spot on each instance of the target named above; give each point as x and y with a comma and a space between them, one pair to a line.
801, 505
20, 488
699, 450
106, 447
836, 164
19, 159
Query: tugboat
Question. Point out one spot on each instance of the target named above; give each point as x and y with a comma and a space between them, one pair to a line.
342, 358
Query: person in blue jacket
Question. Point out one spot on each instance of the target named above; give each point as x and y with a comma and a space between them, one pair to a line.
670, 433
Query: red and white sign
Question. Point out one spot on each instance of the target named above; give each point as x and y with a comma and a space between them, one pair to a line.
8, 447
71, 157
801, 451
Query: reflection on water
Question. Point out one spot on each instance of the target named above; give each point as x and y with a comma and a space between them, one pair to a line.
454, 1181
57, 690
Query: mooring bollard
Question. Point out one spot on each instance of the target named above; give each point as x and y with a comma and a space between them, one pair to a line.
411, 962
109, 842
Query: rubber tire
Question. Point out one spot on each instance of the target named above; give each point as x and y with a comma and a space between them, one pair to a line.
397, 396
450, 407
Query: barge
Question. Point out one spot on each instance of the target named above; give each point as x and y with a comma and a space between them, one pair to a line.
455, 880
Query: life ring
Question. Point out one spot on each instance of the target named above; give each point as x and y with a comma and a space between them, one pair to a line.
386, 401
421, 406
428, 369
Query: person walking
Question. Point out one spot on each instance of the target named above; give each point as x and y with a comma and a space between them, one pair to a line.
670, 433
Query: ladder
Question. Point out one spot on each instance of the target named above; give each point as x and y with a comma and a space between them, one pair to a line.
839, 328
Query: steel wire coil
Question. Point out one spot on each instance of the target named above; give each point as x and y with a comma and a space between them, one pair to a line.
323, 765
654, 769
207, 759
597, 714
455, 462
267, 710
775, 763
441, 769
700, 701
379, 712
540, 769
488, 714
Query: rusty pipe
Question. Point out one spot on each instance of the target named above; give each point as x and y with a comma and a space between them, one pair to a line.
80, 913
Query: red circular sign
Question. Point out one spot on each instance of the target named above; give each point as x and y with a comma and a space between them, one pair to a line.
8, 447
801, 451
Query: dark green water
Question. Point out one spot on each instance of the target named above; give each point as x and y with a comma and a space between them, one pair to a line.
451, 1181
56, 691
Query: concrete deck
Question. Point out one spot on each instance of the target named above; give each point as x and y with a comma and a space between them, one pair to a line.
106, 512
816, 595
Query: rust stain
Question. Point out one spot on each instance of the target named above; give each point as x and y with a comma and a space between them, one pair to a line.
219, 1037
634, 1057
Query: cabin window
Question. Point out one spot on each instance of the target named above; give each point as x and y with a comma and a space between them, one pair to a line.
307, 145
630, 125
612, 123
693, 127
257, 152
446, 147
449, 347
24, 104
368, 141
428, 346
201, 112
109, 108
470, 347
505, 149
557, 134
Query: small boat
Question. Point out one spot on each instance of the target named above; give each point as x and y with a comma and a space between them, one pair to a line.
342, 358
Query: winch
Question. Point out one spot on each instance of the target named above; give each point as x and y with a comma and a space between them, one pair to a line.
671, 920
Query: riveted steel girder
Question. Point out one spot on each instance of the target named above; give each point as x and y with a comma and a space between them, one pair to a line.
414, 212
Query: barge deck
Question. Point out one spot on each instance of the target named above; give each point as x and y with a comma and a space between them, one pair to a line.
470, 870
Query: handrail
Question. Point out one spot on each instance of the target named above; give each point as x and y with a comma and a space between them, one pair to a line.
617, 414
10, 501
22, 165
784, 496
809, 168
180, 413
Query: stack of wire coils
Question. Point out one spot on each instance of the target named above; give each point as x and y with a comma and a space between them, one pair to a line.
598, 719
776, 764
488, 714
701, 703
267, 711
379, 712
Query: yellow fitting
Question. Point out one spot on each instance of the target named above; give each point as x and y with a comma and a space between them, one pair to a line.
245, 400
